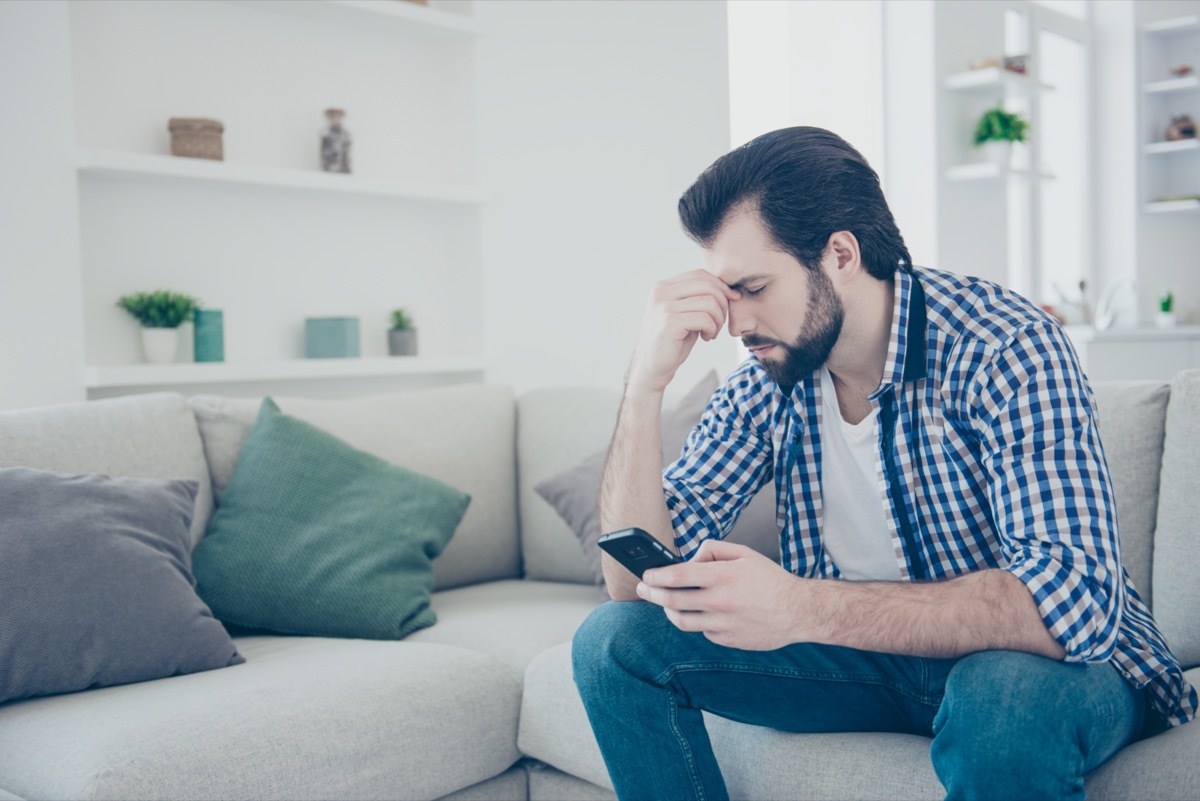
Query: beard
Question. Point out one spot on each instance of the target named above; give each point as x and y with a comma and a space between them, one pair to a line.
822, 327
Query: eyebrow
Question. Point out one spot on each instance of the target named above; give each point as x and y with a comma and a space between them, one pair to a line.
749, 279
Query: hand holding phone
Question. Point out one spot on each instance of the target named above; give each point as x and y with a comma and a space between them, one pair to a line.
637, 550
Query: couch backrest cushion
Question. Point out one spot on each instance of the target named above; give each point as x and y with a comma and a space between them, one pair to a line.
556, 429
1177, 541
140, 436
460, 435
1132, 414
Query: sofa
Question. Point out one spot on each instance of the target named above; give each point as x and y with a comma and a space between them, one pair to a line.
481, 705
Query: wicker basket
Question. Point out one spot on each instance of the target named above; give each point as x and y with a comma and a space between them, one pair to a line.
196, 137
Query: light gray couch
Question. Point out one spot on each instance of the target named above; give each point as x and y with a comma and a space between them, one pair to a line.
482, 705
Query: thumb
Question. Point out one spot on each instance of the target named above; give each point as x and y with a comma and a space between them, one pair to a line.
719, 551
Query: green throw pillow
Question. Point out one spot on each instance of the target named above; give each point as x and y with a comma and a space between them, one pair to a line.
316, 537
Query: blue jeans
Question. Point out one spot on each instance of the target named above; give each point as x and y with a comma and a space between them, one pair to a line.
1004, 724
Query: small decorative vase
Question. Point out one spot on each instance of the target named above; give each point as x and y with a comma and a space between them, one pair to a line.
209, 336
160, 344
335, 143
402, 342
1164, 319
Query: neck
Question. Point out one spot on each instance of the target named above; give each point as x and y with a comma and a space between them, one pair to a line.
858, 358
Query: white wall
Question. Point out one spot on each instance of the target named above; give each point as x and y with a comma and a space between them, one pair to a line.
1117, 202
41, 334
595, 117
814, 63
910, 178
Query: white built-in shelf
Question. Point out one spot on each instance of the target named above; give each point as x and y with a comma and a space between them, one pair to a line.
177, 169
1176, 25
149, 375
393, 17
988, 170
1157, 148
1184, 84
1181, 204
995, 78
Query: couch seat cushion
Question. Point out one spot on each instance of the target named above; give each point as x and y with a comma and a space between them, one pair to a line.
1166, 766
303, 718
764, 763
514, 620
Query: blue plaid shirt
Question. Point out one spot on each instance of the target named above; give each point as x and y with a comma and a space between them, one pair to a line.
990, 457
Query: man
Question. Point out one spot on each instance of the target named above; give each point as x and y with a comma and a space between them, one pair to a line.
950, 559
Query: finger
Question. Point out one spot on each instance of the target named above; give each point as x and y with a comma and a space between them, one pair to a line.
687, 621
672, 577
698, 323
696, 282
720, 551
706, 303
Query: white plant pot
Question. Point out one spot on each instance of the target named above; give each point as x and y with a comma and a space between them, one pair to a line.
160, 344
998, 153
1164, 319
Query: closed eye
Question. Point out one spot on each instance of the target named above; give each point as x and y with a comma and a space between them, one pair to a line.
755, 291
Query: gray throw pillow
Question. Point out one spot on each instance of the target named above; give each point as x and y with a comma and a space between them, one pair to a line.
572, 492
96, 587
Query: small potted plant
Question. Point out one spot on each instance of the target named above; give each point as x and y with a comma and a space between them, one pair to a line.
160, 314
402, 337
996, 131
1165, 318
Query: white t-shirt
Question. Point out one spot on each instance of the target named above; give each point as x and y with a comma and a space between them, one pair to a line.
854, 529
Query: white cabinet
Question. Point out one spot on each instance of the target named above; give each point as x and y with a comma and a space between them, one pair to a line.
1137, 354
265, 235
1170, 169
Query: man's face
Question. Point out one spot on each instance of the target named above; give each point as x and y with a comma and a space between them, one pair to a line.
789, 317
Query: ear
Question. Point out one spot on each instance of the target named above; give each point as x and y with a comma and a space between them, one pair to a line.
842, 258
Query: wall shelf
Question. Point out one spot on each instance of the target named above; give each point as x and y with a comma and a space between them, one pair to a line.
988, 170
148, 375
1176, 25
1170, 177
392, 17
1186, 83
995, 78
1158, 148
1167, 206
175, 169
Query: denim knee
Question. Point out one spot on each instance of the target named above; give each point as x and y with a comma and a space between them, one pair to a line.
1004, 728
614, 638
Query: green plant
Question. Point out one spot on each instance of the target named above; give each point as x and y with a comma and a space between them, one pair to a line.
402, 320
160, 309
998, 125
1166, 302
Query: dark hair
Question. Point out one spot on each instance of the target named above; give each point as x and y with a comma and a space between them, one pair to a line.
806, 183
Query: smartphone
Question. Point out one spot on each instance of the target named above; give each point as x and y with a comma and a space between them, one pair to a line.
637, 550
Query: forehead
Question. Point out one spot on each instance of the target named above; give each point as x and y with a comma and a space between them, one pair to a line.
743, 249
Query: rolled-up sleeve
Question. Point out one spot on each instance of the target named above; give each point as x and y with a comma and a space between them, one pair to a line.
725, 461
1049, 487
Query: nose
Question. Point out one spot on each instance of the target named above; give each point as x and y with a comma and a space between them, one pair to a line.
740, 321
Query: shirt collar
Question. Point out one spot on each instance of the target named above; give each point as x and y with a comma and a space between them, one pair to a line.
908, 346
